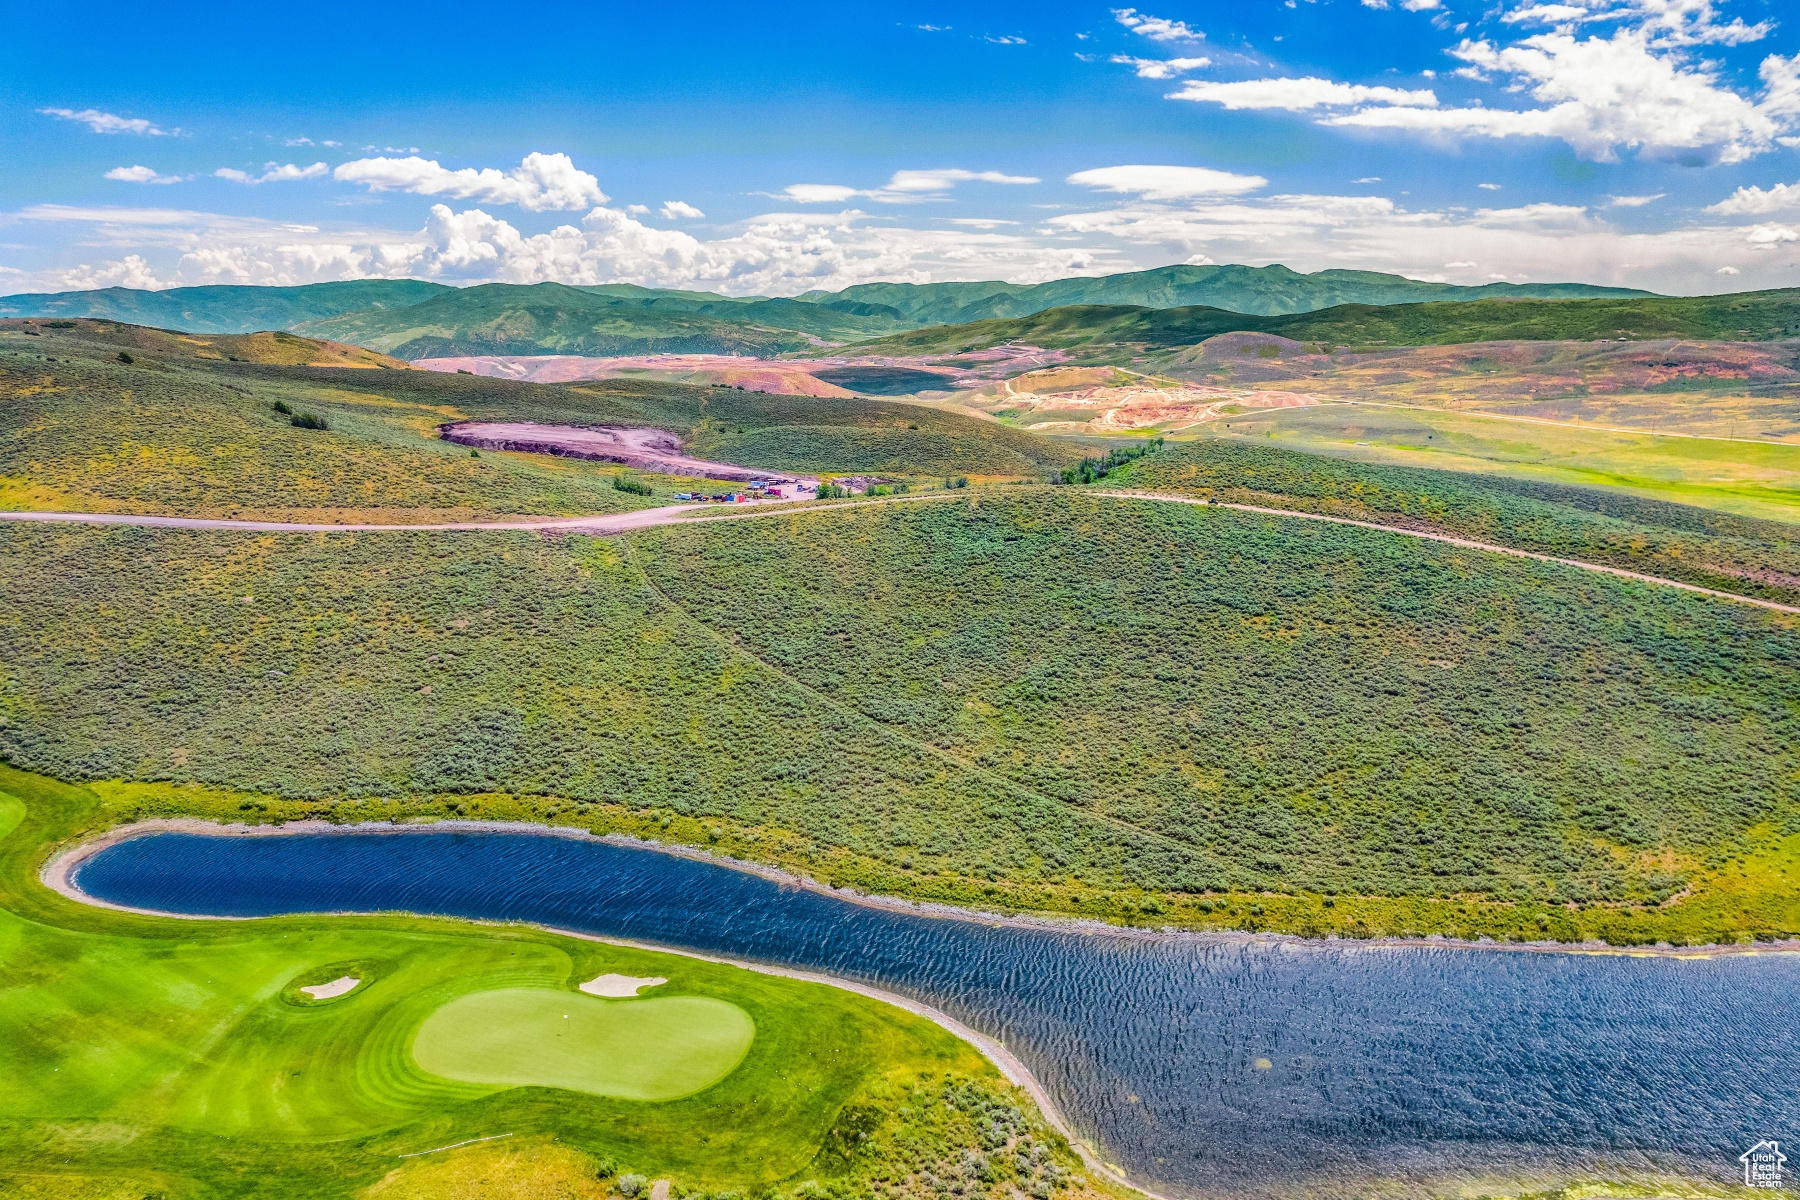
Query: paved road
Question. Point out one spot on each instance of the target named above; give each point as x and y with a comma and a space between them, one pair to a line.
689, 513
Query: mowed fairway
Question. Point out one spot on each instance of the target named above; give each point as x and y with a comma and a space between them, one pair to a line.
151, 1056
656, 1049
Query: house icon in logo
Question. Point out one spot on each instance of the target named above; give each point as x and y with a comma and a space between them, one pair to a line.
1762, 1165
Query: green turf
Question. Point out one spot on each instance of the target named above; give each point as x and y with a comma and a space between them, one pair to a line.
172, 1057
655, 1049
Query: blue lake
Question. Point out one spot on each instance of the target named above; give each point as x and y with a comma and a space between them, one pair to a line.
1205, 1066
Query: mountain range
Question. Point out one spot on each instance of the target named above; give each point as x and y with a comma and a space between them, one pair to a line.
413, 319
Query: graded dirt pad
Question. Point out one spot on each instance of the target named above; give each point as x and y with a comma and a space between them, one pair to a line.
657, 1049
647, 449
702, 370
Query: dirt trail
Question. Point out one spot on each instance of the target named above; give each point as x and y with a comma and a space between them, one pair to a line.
674, 514
643, 518
1452, 540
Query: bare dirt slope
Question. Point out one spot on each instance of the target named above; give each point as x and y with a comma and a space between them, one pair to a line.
1721, 389
646, 449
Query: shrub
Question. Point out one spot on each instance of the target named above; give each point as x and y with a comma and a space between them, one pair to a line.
281, 407
125, 358
626, 483
831, 491
306, 420
630, 1185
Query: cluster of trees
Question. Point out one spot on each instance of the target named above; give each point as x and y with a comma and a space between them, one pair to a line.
1094, 470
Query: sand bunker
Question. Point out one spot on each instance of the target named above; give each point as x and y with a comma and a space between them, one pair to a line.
332, 990
646, 449
619, 987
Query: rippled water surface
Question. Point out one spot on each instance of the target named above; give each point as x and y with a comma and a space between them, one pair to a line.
1207, 1067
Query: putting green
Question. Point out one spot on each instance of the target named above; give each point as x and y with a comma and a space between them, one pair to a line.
656, 1049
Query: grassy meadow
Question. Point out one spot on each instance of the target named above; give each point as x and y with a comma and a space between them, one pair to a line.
1745, 477
1066, 703
170, 1058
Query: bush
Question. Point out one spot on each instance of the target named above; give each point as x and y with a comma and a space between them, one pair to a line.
306, 420
831, 491
281, 407
630, 1185
125, 358
626, 483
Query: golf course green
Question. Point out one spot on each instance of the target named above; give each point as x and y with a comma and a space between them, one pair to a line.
178, 1058
538, 1037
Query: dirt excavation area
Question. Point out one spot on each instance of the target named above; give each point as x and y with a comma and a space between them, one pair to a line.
655, 450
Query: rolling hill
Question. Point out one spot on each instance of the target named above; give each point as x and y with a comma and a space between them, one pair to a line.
553, 318
1267, 291
104, 417
1111, 331
224, 308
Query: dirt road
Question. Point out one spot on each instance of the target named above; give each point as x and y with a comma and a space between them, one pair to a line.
643, 518
675, 514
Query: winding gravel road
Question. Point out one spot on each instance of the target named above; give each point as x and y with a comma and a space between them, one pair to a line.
674, 514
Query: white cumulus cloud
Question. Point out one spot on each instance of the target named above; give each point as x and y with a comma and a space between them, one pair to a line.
1297, 95
131, 272
1167, 182
140, 175
274, 173
672, 209
1603, 94
1752, 200
1161, 68
105, 122
1767, 237
1157, 29
541, 183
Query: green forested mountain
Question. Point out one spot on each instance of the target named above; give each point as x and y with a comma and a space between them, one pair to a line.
415, 319
1113, 329
224, 308
1268, 291
553, 318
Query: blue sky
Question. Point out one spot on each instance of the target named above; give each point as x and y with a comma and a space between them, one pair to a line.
1654, 143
